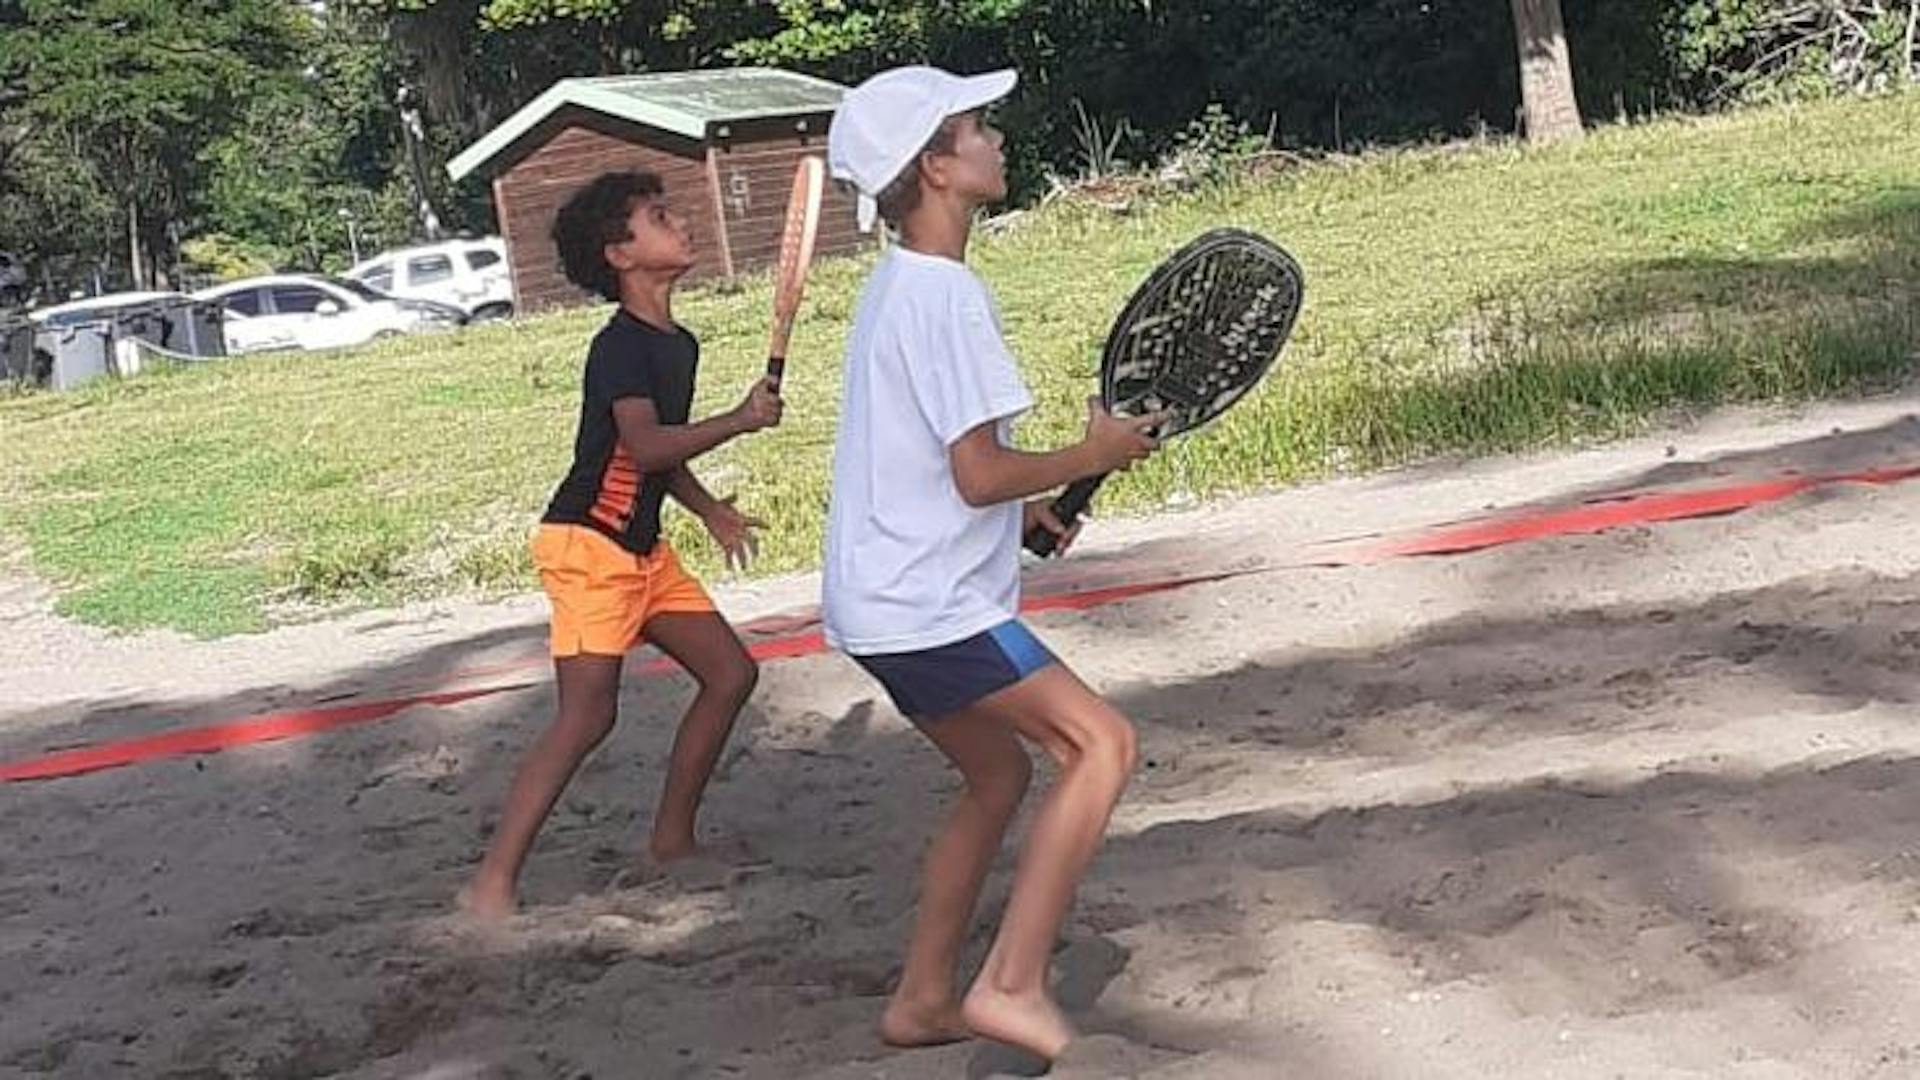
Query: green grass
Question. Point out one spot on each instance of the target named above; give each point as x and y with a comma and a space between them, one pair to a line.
1460, 300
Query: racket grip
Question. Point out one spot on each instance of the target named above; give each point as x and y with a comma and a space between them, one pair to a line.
1068, 507
776, 367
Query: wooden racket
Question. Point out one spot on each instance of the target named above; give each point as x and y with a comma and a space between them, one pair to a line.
796, 255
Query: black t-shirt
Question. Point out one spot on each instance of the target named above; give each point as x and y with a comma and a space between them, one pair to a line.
604, 490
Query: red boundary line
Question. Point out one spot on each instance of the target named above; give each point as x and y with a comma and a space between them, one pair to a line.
1639, 509
213, 738
798, 636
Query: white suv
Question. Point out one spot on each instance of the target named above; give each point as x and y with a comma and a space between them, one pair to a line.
468, 274
300, 311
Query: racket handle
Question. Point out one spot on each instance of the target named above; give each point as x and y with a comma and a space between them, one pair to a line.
1068, 508
776, 367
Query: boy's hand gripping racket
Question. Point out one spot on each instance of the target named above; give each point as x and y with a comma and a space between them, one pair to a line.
1197, 335
796, 255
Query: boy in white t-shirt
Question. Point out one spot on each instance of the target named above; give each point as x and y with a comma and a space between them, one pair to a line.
922, 582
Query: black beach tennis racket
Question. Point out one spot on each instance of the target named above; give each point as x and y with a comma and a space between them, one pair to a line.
1203, 328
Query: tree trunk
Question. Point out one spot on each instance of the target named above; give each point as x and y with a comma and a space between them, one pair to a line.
416, 140
438, 35
136, 264
1913, 25
1546, 73
166, 263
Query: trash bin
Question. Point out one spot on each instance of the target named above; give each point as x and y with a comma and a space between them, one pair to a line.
206, 325
149, 322
16, 349
73, 353
179, 326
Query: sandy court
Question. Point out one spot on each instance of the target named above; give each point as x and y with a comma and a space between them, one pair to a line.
1643, 803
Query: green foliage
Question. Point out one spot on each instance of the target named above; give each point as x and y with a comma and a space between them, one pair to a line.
1216, 147
40, 182
130, 94
270, 122
1774, 50
219, 257
509, 14
1099, 149
311, 149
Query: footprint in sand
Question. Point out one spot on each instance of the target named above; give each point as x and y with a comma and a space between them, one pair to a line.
271, 922
217, 976
1757, 640
1085, 968
571, 964
1636, 688
1109, 1057
1109, 916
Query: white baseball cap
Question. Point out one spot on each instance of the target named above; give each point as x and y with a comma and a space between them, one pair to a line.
882, 124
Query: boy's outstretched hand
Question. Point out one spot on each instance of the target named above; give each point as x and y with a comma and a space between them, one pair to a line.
1038, 513
761, 409
733, 531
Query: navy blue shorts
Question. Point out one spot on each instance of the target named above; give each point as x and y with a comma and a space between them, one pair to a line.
931, 683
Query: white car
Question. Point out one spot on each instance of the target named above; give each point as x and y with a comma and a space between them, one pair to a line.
468, 274
299, 311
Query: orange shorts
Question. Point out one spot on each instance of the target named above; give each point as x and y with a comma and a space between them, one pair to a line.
603, 594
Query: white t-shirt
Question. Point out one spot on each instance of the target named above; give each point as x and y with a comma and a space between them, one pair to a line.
909, 565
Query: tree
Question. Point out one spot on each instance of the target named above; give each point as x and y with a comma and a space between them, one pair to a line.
41, 185
1546, 73
132, 92
1768, 50
310, 160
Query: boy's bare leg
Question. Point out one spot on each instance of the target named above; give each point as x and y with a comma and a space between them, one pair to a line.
1095, 749
589, 697
924, 1010
704, 644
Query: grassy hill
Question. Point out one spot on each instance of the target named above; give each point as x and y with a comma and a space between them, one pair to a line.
1463, 299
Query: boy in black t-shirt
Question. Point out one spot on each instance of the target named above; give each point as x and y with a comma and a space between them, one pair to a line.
611, 578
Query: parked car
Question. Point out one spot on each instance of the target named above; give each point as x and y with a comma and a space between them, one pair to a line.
301, 311
468, 274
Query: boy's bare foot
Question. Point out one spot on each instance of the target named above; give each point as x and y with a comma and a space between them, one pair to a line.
912, 1023
732, 851
485, 903
1031, 1022
703, 868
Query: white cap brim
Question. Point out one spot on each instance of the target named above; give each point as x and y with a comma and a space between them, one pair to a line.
980, 91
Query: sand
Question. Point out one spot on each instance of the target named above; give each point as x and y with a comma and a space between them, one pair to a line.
1639, 804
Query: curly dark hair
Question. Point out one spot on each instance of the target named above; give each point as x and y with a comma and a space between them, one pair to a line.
594, 217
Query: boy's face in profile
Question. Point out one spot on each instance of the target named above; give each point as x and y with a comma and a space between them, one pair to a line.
657, 241
976, 168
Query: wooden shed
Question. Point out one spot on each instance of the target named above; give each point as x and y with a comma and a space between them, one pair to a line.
725, 142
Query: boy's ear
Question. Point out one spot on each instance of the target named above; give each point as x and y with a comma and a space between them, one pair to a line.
933, 169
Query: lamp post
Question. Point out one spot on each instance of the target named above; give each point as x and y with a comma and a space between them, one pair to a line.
353, 233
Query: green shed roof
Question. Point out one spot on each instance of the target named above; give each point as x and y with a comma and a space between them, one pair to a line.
687, 103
